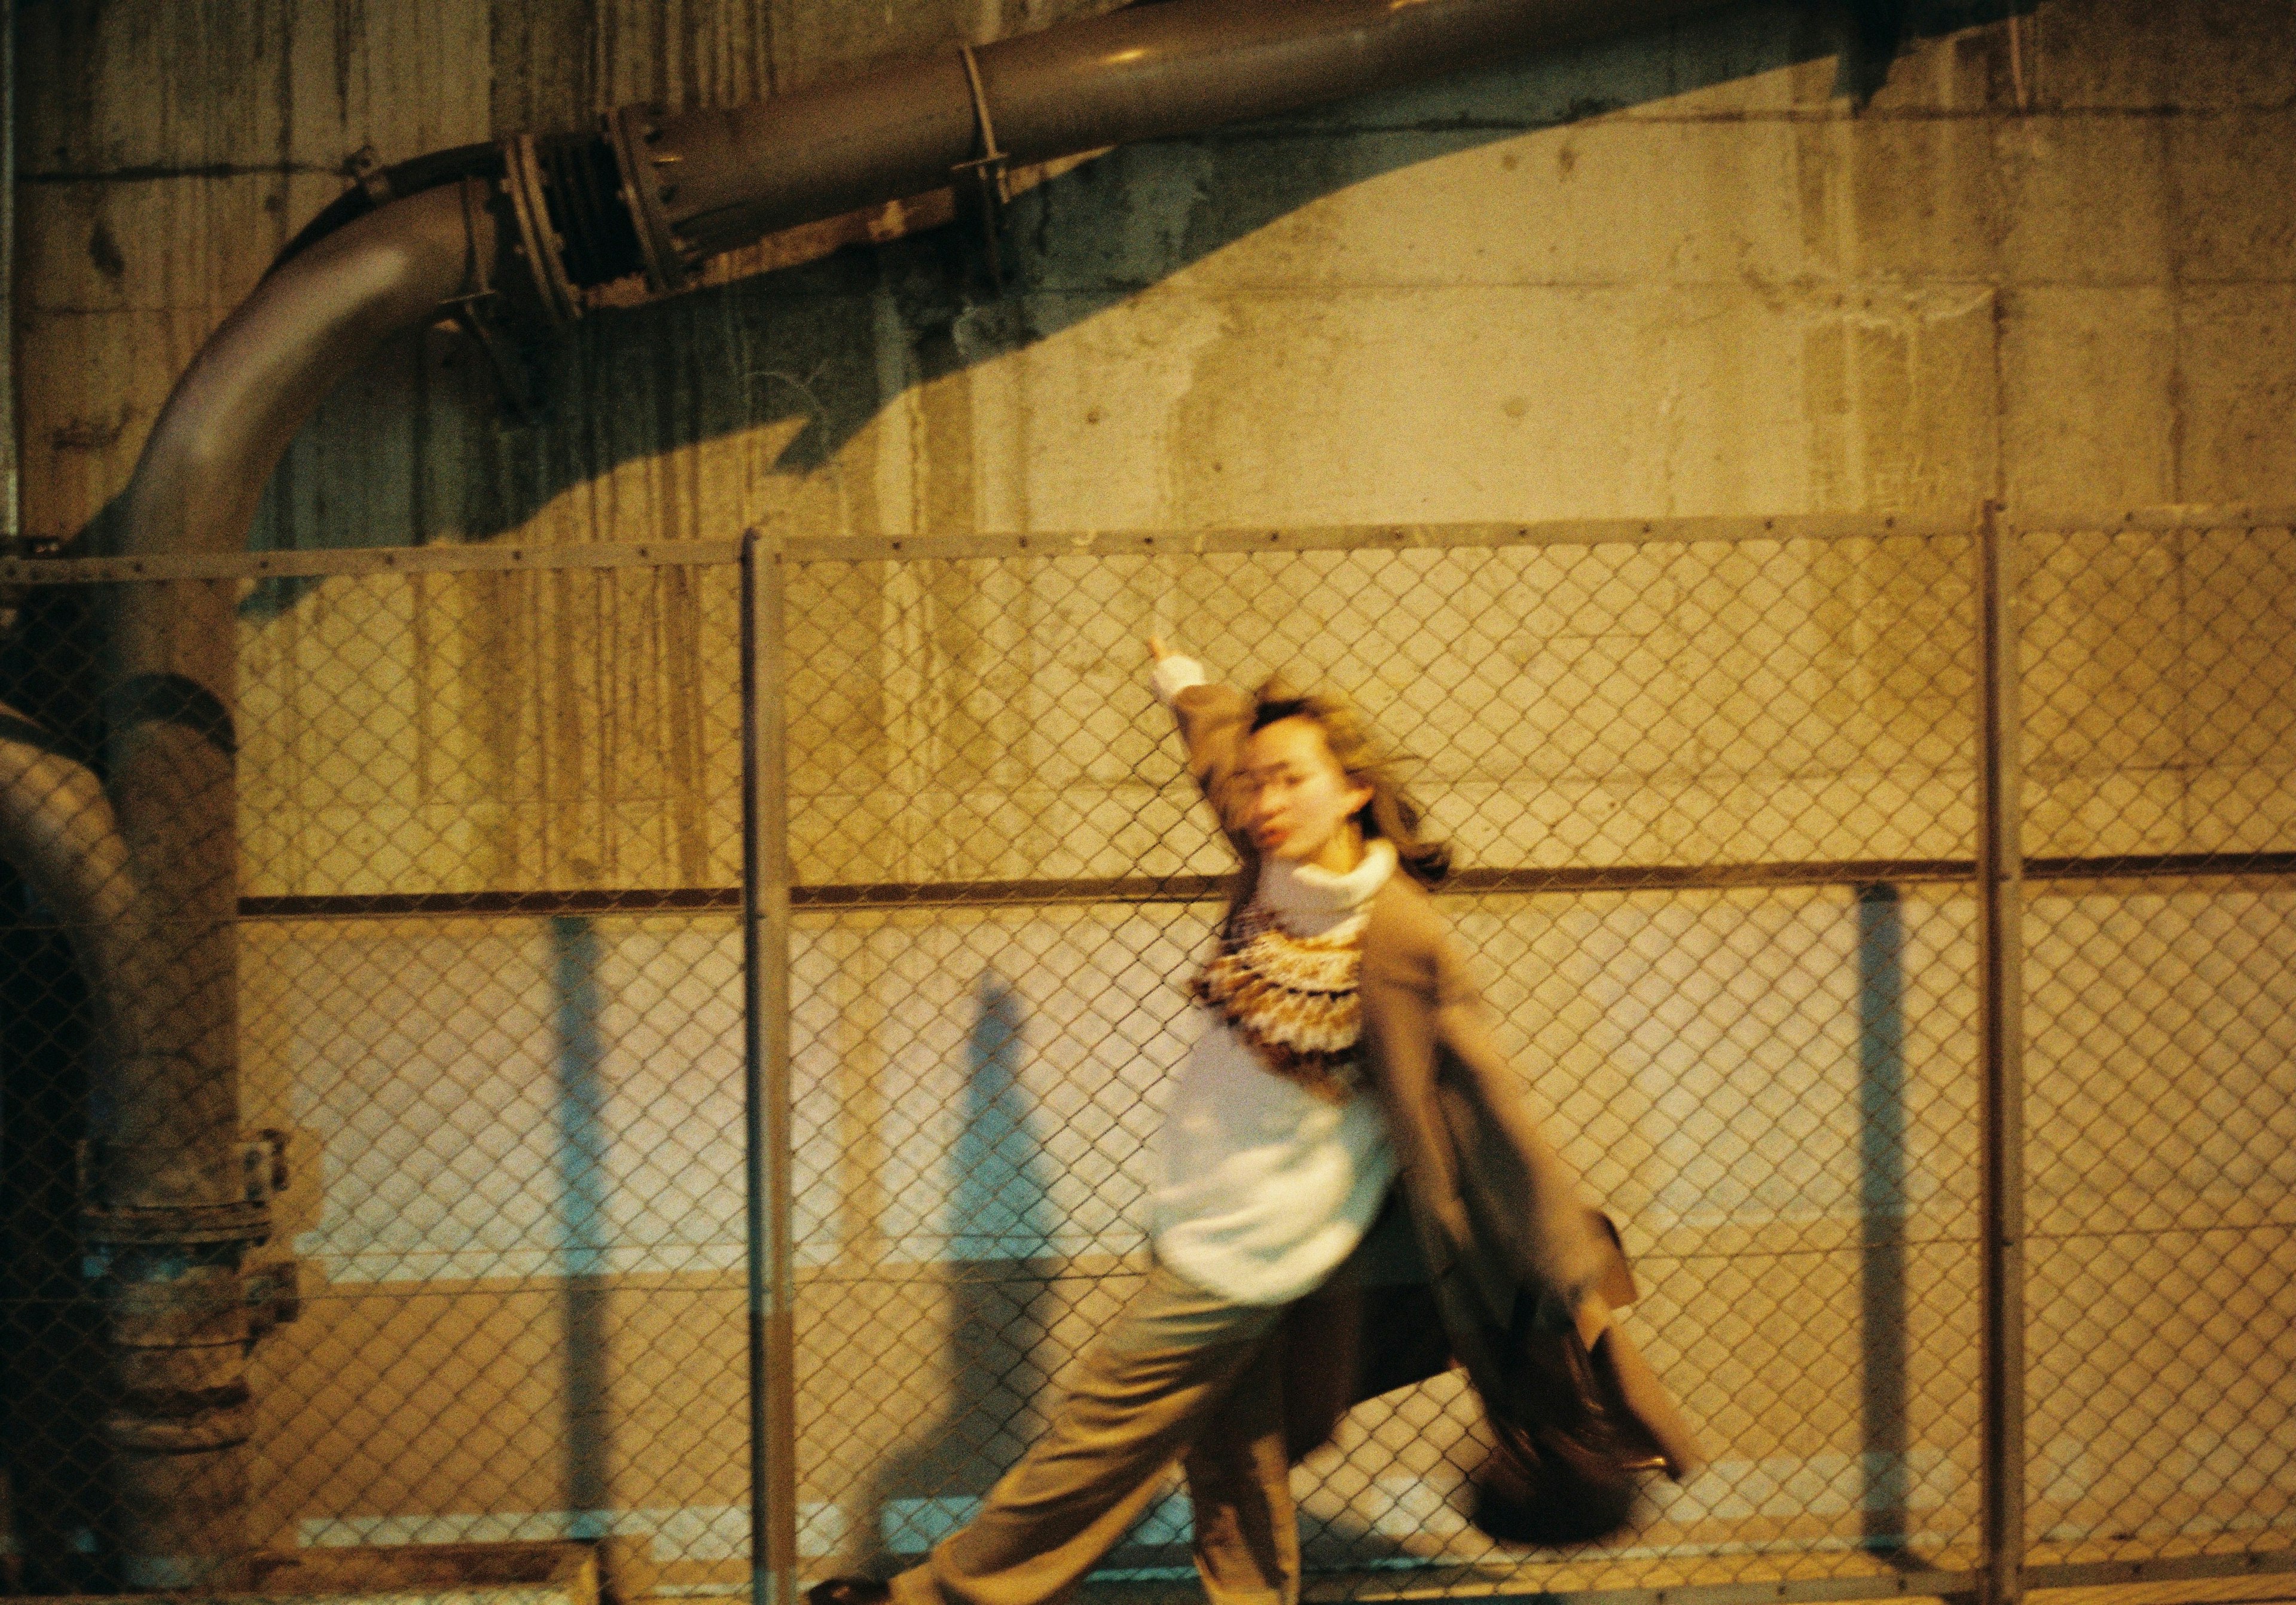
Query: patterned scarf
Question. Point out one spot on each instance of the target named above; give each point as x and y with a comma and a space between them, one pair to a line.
1291, 1000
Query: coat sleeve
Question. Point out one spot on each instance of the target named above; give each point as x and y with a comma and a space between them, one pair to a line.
1491, 1194
1523, 1197
1214, 720
1397, 988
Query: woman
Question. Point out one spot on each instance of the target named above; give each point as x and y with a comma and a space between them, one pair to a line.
1344, 1048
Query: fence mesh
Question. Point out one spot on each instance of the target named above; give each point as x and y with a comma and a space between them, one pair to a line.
2158, 679
1700, 791
1712, 799
507, 1068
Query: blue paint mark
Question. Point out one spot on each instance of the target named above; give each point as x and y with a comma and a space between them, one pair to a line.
582, 1228
1882, 1212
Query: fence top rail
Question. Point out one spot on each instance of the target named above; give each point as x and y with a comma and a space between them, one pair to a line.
454, 558
2185, 516
448, 558
441, 559
1369, 537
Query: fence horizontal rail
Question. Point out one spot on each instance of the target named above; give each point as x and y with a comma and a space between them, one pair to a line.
454, 557
1199, 889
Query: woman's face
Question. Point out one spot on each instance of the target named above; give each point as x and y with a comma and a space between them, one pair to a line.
1298, 801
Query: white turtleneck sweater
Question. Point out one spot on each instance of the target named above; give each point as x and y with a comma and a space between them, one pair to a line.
1265, 1187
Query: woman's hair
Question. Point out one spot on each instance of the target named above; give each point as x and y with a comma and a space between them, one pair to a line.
1390, 814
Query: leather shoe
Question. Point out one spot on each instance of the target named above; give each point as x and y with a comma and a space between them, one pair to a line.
847, 1590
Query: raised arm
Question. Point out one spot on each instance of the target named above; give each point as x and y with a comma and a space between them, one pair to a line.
1214, 720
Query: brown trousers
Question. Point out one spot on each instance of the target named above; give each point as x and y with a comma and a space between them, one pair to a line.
1184, 1376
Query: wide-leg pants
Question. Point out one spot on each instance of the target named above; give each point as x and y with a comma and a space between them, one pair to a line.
1184, 1376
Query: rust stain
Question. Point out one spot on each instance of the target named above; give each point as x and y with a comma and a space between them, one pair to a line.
91, 434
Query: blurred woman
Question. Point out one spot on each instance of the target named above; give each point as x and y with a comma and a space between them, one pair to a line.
1344, 1048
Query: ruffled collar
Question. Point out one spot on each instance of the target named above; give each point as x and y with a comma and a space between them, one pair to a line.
1306, 898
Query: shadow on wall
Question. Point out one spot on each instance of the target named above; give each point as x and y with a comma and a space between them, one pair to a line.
583, 1231
820, 348
1001, 1221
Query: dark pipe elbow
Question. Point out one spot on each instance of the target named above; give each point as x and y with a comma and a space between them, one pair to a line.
381, 187
305, 328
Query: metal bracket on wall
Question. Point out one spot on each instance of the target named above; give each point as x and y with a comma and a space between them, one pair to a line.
364, 168
274, 1292
476, 311
982, 186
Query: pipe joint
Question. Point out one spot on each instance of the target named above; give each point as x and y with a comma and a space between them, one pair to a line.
648, 185
181, 1422
587, 208
125, 1188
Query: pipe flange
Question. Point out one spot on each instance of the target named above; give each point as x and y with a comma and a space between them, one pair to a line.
235, 1222
180, 1420
631, 131
538, 239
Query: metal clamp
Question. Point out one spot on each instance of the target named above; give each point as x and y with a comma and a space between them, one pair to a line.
538, 241
982, 186
364, 168
274, 1292
246, 1219
193, 1224
631, 130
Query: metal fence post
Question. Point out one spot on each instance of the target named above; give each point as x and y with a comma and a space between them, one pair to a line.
2000, 949
766, 1054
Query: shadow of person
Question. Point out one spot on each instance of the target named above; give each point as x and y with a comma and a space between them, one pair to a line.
999, 1306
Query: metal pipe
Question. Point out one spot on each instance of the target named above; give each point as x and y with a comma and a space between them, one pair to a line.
554, 216
2001, 1068
59, 832
768, 1135
176, 1323
168, 1188
11, 469
705, 181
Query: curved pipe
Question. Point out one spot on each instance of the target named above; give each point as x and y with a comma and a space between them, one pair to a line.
170, 676
59, 832
383, 186
314, 320
167, 1190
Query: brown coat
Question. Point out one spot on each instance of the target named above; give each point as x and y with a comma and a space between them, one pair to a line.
1492, 1210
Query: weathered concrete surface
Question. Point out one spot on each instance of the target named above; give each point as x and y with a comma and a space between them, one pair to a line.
2067, 284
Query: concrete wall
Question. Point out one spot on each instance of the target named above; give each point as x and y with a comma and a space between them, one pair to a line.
1675, 276
2050, 263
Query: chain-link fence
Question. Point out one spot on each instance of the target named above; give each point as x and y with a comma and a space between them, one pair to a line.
489, 988
2159, 684
1714, 788
1712, 800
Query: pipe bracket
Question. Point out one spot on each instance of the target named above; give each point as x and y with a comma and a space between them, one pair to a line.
982, 186
262, 1158
364, 168
195, 1224
274, 1294
476, 311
